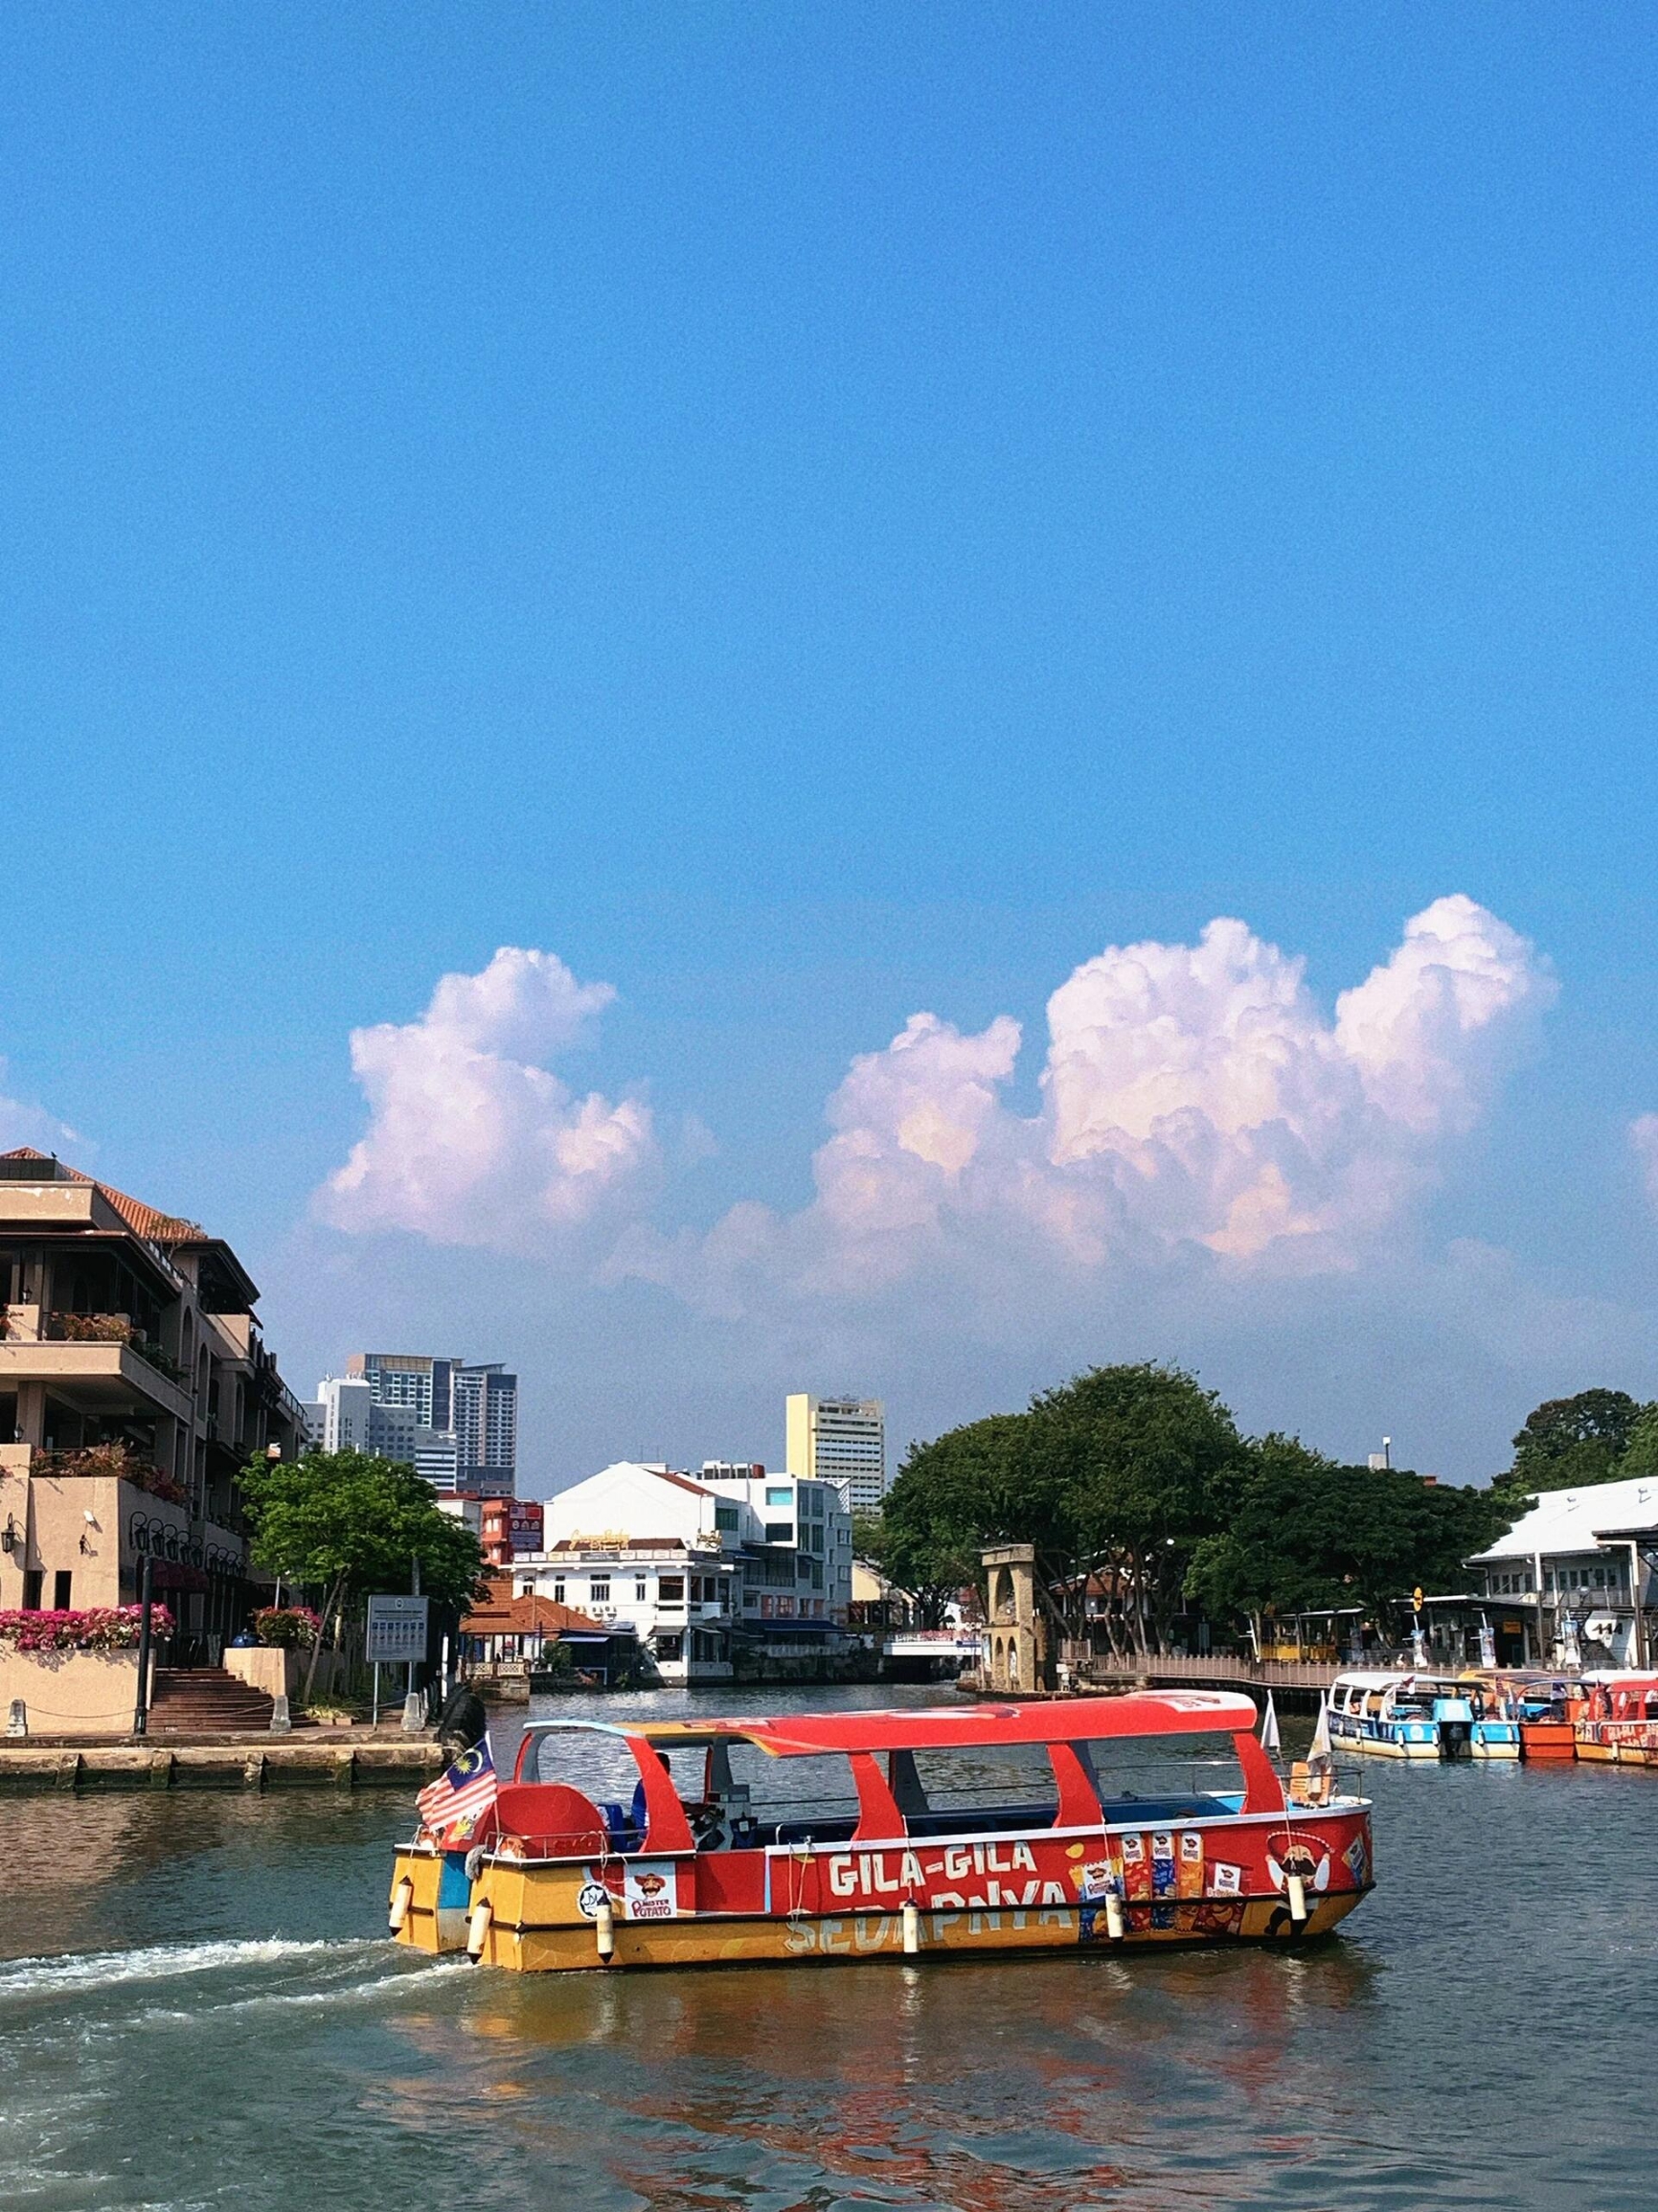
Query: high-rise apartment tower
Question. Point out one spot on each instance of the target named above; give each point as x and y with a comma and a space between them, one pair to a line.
843, 1440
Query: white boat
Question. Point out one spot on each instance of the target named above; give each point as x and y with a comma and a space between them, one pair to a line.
1393, 1713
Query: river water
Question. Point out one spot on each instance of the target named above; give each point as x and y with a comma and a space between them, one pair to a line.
198, 2009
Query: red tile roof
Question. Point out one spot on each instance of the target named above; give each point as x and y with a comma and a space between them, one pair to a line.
501, 1615
142, 1219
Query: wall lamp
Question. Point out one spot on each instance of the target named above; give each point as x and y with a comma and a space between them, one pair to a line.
10, 1539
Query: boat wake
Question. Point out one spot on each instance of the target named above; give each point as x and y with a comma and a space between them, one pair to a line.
99, 1970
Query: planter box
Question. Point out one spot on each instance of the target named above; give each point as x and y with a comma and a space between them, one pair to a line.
279, 1673
71, 1693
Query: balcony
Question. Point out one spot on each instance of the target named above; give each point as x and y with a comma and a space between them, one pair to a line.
110, 1374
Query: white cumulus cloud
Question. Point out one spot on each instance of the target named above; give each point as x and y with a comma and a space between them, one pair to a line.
472, 1139
1195, 1099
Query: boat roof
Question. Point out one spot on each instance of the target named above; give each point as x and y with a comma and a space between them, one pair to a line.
947, 1727
1400, 1678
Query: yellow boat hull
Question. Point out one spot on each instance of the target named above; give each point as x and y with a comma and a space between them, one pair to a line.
526, 1919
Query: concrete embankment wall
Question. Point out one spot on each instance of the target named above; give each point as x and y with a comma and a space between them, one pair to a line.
313, 1762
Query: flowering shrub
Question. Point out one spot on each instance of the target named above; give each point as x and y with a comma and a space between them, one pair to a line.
117, 1459
92, 1328
97, 1628
292, 1627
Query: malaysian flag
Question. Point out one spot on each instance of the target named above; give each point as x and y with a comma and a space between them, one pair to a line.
456, 1804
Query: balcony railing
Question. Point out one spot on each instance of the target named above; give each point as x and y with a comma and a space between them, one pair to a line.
111, 1459
110, 1329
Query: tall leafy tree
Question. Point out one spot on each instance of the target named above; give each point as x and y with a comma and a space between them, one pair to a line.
1130, 1468
1570, 1442
948, 1498
346, 1523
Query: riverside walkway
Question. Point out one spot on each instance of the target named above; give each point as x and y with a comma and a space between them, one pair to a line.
1294, 1682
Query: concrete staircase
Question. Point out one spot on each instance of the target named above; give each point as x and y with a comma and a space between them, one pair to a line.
205, 1702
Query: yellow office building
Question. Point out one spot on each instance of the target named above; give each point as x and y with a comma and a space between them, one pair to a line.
843, 1440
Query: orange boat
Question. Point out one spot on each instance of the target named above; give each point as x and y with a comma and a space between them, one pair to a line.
1618, 1724
1546, 1707
839, 1836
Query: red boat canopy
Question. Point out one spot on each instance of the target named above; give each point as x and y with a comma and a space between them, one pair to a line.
947, 1727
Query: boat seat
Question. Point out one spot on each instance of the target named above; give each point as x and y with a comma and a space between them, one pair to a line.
625, 1831
554, 1819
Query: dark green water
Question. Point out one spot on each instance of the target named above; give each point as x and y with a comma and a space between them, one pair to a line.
197, 2009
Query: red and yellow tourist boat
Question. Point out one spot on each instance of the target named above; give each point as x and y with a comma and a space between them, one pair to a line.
1616, 1723
854, 1834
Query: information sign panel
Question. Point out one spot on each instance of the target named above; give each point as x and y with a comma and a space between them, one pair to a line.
397, 1629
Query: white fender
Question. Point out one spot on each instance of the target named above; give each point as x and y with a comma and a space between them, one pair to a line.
604, 1930
911, 1928
1113, 1916
478, 1929
1296, 1898
402, 1897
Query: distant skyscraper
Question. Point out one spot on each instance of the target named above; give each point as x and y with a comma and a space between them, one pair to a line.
456, 1425
843, 1440
485, 1423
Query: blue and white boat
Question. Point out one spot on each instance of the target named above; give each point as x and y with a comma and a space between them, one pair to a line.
1395, 1715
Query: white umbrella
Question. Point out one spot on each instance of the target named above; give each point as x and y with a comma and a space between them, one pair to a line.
1319, 1756
1269, 1725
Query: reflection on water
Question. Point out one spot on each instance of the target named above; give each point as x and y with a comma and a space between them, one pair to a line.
200, 2011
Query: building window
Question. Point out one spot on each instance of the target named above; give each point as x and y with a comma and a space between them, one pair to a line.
780, 1532
669, 1647
32, 1580
559, 1591
670, 1589
600, 1595
60, 1587
728, 1518
778, 1493
639, 1590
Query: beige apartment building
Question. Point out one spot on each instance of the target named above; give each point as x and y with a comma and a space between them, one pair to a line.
133, 1386
839, 1440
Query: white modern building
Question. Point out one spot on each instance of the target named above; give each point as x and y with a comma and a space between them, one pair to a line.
697, 1564
1575, 1580
839, 1440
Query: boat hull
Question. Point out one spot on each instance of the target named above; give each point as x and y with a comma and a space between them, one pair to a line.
1546, 1741
1291, 1878
1617, 1743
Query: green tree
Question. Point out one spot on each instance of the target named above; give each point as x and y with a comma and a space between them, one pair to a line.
1126, 1469
347, 1523
1307, 1535
1570, 1442
947, 1499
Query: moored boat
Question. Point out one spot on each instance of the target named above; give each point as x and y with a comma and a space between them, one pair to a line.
1397, 1715
825, 1836
1544, 1707
1617, 1724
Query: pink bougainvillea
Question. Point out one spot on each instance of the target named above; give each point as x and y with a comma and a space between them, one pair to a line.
96, 1628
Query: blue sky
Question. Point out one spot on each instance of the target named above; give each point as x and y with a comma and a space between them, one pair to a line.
808, 517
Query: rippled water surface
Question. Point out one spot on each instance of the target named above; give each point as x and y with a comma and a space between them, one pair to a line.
197, 2009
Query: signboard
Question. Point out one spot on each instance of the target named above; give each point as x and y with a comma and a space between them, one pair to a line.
396, 1628
524, 1521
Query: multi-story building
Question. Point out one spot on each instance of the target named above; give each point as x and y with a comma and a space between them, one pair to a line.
485, 1424
134, 1385
1575, 1580
455, 1423
698, 1565
843, 1440
504, 1526
798, 1543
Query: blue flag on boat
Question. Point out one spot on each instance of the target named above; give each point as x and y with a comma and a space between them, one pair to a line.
458, 1803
